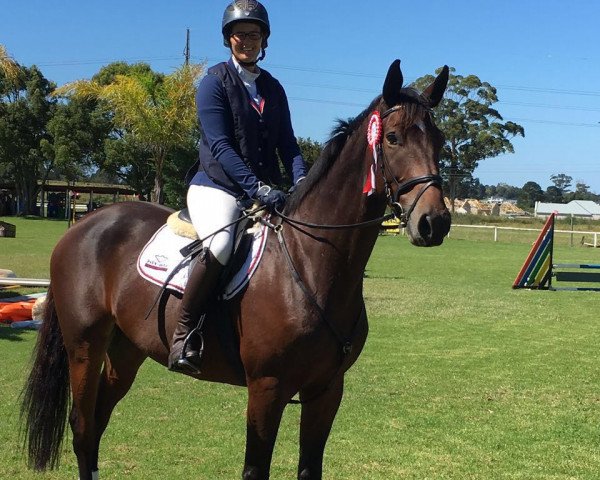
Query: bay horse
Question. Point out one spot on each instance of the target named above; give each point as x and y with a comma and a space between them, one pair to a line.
300, 323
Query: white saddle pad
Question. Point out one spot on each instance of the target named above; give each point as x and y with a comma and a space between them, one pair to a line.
161, 256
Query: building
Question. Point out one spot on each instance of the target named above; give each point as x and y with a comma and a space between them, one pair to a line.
575, 208
479, 207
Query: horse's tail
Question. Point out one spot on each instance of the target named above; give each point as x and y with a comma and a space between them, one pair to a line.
46, 394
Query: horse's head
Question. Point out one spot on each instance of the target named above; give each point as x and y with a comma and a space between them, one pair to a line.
409, 146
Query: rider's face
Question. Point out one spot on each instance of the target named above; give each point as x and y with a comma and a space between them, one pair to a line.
246, 41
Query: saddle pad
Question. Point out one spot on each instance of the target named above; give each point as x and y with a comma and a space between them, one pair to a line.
161, 256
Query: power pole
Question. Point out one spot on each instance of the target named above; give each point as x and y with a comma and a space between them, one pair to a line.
186, 52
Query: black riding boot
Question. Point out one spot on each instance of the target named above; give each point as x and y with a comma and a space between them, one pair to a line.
187, 346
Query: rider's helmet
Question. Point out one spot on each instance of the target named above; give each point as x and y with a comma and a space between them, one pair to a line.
245, 11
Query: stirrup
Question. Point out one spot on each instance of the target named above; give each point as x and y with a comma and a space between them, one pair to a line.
185, 363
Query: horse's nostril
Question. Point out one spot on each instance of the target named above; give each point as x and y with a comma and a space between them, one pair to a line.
433, 228
425, 228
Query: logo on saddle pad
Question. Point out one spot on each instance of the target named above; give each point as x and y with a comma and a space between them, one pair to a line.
159, 262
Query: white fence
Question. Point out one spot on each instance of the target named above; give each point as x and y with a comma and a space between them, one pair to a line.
496, 233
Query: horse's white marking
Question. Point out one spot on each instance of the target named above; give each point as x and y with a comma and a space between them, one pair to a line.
95, 475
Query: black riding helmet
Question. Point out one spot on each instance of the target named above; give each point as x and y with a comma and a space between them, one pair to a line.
245, 11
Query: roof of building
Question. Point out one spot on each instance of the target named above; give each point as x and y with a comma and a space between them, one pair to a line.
574, 207
511, 209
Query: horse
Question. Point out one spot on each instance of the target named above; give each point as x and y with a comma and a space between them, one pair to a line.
300, 323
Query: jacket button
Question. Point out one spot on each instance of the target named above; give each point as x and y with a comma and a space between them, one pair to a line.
260, 163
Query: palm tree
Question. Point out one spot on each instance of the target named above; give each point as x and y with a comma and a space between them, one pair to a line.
157, 115
8, 66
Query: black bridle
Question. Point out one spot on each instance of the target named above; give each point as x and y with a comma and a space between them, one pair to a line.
404, 187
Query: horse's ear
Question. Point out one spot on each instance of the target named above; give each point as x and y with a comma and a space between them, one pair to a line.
393, 84
435, 91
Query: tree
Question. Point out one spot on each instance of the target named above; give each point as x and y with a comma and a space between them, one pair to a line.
473, 129
562, 182
155, 113
469, 187
78, 129
8, 66
553, 195
507, 191
310, 149
130, 163
581, 188
582, 192
26, 151
530, 193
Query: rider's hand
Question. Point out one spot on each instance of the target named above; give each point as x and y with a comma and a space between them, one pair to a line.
271, 198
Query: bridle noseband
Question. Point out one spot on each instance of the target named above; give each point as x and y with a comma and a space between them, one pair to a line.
401, 188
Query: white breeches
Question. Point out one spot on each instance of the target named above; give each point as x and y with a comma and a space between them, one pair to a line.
210, 209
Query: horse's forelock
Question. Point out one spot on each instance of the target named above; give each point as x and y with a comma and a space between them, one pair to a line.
414, 107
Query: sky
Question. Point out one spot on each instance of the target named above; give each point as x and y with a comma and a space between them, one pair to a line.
543, 57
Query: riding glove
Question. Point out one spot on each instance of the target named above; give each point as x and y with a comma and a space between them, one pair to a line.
271, 198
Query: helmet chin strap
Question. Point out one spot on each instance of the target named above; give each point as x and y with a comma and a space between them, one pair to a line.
252, 64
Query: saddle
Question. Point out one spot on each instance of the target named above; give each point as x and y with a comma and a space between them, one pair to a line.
166, 258
180, 223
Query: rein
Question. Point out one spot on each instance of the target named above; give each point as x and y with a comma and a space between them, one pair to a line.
345, 342
368, 223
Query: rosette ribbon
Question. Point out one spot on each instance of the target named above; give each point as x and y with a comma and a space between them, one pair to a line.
373, 137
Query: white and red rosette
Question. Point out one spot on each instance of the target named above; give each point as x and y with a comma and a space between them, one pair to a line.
374, 129
373, 138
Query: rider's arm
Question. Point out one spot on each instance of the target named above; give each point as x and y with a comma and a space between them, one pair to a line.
214, 114
288, 148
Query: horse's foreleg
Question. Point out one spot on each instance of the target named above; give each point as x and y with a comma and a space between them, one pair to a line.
315, 424
123, 359
266, 403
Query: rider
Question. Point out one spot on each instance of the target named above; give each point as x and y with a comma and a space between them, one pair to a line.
245, 121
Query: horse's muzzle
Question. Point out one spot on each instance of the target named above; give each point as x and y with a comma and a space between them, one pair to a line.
429, 229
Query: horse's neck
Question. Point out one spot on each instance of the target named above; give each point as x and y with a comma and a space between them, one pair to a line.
338, 197
338, 200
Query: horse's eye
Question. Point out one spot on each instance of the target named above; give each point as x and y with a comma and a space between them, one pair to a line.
391, 138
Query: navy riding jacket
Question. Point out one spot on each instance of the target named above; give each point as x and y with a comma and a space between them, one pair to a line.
240, 139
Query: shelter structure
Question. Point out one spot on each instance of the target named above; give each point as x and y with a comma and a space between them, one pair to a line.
55, 195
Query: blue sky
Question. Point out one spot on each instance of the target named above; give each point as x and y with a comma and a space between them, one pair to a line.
332, 56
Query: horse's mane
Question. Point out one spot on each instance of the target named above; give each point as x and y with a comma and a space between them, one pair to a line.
414, 104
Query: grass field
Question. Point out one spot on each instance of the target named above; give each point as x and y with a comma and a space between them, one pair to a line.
461, 378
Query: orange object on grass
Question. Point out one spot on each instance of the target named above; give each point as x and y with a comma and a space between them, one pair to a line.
15, 311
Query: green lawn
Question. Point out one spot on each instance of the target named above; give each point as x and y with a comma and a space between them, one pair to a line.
461, 378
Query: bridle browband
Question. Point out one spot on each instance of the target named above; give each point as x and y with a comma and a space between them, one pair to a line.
401, 188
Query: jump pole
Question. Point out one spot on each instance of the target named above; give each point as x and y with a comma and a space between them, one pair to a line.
538, 270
